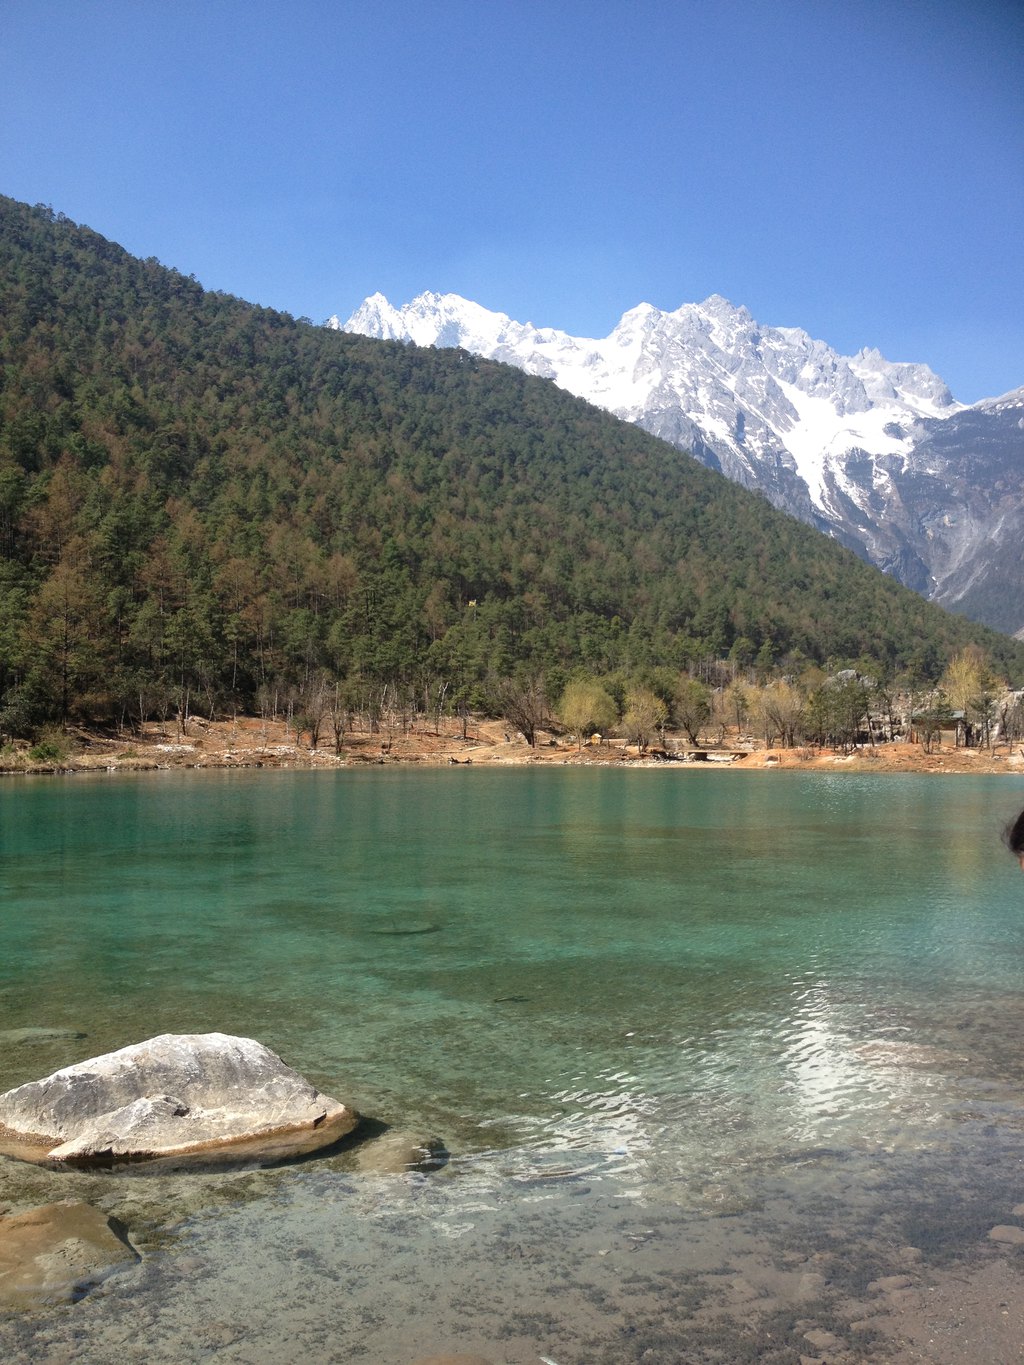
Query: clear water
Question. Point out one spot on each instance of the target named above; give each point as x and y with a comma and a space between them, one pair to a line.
674, 984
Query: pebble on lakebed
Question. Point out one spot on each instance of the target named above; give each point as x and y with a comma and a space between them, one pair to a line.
205, 1095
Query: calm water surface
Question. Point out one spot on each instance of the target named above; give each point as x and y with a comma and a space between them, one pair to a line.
677, 985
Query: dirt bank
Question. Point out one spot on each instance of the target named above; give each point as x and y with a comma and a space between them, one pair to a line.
254, 743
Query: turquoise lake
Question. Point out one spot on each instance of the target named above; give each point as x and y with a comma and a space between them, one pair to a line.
659, 996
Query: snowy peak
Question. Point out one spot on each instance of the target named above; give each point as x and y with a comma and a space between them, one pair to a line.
874, 452
374, 317
916, 385
705, 376
433, 320
698, 342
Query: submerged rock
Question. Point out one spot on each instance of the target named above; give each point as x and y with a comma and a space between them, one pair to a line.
1007, 1233
453, 1360
14, 1037
406, 929
57, 1253
394, 1152
174, 1095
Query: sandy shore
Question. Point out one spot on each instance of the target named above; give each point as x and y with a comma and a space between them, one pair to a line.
248, 742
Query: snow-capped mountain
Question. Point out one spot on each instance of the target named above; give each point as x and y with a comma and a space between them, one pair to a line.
877, 454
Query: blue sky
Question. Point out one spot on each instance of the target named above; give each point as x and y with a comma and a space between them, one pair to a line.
853, 167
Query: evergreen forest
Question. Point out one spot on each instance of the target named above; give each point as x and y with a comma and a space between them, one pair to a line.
204, 503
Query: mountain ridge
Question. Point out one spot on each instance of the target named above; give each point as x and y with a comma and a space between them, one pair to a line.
848, 444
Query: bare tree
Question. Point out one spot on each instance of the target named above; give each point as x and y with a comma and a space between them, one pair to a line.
736, 697
780, 708
524, 705
315, 705
339, 715
691, 706
1011, 718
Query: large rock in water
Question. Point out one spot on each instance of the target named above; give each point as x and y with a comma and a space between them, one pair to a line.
174, 1095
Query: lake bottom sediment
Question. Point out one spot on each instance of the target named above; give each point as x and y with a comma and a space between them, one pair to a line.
555, 1260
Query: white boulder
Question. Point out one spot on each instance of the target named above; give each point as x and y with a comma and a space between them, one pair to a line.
173, 1095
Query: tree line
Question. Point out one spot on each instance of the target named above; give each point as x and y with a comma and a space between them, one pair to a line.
844, 710
841, 710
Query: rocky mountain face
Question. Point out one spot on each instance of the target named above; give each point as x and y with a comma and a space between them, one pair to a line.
876, 454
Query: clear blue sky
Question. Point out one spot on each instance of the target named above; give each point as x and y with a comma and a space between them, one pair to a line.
853, 167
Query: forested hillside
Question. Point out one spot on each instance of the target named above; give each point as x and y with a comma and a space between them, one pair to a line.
202, 496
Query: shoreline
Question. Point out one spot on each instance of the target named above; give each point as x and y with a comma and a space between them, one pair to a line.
248, 742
